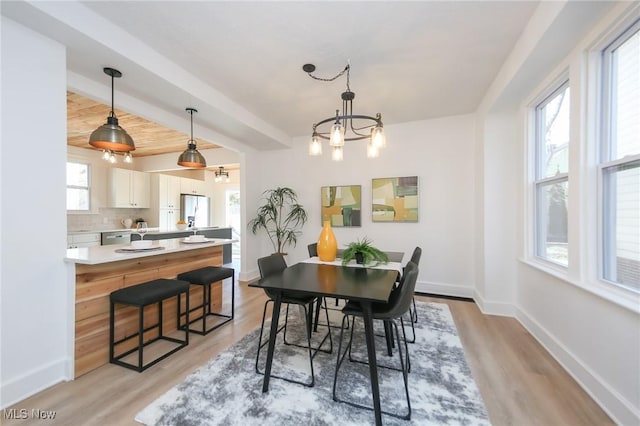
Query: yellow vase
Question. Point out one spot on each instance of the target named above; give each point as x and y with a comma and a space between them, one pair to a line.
327, 243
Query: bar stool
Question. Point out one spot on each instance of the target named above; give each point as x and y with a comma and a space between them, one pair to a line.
142, 295
205, 277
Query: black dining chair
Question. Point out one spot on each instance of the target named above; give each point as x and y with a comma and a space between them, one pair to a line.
274, 264
415, 258
398, 305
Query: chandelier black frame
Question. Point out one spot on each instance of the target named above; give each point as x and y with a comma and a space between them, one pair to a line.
343, 122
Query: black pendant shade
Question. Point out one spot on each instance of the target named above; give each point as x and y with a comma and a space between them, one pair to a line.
191, 157
111, 136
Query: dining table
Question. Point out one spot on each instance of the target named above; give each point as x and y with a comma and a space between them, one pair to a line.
312, 277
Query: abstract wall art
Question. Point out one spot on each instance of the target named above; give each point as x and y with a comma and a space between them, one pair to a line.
341, 205
394, 199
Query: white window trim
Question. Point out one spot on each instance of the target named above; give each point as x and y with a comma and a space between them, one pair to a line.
89, 183
547, 91
586, 78
600, 73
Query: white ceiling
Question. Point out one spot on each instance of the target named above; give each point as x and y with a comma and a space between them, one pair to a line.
240, 63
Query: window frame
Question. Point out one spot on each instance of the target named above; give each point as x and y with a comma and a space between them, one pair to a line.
88, 187
604, 162
538, 182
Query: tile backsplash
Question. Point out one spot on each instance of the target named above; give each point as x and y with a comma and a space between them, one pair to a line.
106, 219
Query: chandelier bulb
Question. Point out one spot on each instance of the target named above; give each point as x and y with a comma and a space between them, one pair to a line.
372, 150
337, 135
337, 154
315, 146
377, 137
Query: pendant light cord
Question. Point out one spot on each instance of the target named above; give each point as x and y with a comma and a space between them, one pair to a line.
112, 113
191, 113
340, 74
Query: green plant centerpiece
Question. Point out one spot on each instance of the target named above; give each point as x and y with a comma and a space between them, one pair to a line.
281, 217
364, 253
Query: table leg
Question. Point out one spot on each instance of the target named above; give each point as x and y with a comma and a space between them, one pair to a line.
371, 353
275, 316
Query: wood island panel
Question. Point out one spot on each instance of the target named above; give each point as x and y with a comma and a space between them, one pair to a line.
94, 283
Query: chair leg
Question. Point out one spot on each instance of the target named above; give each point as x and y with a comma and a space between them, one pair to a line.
341, 356
413, 328
260, 344
414, 315
403, 368
405, 373
308, 346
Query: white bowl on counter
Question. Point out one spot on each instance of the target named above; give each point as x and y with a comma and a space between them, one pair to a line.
141, 244
195, 238
181, 226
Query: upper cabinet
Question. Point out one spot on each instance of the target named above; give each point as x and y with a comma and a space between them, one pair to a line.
168, 192
192, 186
129, 189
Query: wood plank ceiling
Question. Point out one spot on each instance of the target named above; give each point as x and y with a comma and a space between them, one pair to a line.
85, 115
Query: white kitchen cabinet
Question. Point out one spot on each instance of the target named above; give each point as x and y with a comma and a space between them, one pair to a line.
83, 240
168, 192
192, 186
168, 219
129, 189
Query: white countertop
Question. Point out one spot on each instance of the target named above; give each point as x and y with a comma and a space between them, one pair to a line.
105, 254
150, 230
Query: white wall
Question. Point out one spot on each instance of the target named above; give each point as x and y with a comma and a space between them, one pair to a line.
35, 313
439, 152
596, 339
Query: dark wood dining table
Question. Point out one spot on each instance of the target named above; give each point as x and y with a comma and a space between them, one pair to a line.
363, 285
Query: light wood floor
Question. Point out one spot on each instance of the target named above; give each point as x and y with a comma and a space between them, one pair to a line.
520, 383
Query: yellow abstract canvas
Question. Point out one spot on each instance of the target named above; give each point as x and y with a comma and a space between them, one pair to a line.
395, 199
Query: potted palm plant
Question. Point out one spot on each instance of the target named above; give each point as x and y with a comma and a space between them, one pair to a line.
280, 217
364, 253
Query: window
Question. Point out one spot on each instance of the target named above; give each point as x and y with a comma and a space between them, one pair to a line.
78, 186
551, 176
619, 166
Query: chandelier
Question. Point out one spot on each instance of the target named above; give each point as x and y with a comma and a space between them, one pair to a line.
220, 173
346, 126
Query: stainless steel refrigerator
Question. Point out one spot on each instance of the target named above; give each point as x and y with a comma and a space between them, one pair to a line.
194, 209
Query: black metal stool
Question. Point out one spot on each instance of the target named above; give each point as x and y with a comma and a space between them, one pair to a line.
142, 295
205, 277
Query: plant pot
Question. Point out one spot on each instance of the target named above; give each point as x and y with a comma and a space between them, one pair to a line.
359, 258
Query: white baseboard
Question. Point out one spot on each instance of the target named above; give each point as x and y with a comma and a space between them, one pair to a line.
444, 289
615, 405
36, 380
502, 309
249, 275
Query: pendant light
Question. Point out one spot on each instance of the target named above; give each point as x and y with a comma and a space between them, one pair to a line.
110, 136
191, 157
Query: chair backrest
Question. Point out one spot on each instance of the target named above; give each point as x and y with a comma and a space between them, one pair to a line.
415, 257
394, 256
313, 249
271, 264
401, 298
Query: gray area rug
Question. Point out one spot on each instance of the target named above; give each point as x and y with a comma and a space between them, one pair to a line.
228, 391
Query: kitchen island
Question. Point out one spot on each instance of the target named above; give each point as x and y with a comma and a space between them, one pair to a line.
102, 269
209, 232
